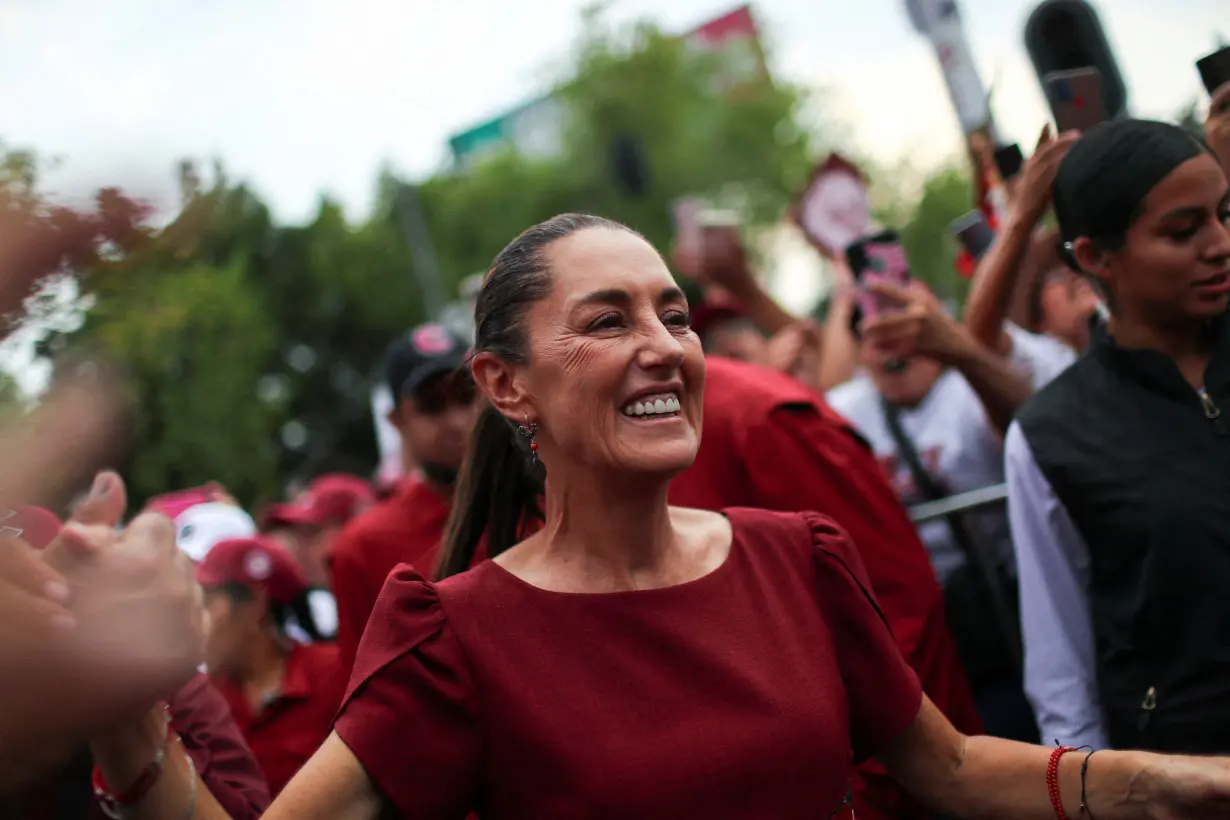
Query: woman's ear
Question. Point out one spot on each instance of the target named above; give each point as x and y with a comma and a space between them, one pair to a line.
1092, 259
501, 382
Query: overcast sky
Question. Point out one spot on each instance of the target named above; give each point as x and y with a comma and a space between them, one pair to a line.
304, 96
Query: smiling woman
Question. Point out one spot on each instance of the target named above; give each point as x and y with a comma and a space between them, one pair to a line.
635, 660
1118, 498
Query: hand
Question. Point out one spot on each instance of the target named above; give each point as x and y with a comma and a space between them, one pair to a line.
33, 600
1032, 195
724, 263
1186, 787
919, 328
786, 350
688, 259
1217, 125
140, 613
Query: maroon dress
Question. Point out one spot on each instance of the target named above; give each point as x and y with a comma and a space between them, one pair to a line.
746, 693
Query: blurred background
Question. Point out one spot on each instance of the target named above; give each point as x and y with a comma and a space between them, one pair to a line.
259, 196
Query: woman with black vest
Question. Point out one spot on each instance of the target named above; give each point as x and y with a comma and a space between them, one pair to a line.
1119, 470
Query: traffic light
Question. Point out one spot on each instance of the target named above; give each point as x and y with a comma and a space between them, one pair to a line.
1062, 35
628, 164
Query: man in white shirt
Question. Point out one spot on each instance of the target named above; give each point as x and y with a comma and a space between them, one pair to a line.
953, 400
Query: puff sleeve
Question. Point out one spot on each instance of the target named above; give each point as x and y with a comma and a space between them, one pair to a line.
411, 714
883, 692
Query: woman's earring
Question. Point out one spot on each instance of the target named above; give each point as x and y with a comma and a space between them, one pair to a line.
529, 430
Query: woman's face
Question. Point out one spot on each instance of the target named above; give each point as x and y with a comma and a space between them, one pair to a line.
1175, 264
615, 376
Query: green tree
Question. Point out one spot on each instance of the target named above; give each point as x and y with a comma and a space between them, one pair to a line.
253, 346
929, 244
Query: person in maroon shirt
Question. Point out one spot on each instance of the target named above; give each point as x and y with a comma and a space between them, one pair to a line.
434, 414
635, 660
195, 714
309, 525
282, 694
771, 442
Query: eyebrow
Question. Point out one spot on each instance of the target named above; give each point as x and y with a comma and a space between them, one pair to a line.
1195, 210
621, 297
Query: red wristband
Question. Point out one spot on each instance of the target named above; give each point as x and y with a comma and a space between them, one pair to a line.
113, 805
1052, 780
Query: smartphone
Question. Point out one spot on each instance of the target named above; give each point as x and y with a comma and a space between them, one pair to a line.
1075, 98
1215, 69
879, 257
1008, 161
974, 233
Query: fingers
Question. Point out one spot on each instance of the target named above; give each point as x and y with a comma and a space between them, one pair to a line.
51, 450
106, 503
1043, 138
1220, 103
22, 569
77, 543
154, 530
891, 290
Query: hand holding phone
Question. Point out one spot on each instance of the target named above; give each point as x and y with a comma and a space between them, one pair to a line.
1076, 98
877, 258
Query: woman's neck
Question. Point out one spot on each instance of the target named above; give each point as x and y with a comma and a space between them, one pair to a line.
1187, 344
610, 534
266, 670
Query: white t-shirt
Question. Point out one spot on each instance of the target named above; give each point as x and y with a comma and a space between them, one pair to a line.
954, 439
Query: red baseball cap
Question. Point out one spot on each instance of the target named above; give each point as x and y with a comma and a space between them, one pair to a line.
717, 307
37, 527
331, 499
259, 562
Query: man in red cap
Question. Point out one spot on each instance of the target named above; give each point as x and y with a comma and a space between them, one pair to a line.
434, 413
308, 527
282, 693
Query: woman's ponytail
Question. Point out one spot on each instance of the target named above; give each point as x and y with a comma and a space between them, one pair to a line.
497, 492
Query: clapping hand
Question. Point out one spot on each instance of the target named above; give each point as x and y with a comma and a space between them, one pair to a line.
139, 611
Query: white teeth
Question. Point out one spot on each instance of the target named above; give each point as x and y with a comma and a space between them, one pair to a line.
651, 408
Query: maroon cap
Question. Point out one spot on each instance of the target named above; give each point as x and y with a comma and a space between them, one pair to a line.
259, 562
331, 499
717, 307
36, 526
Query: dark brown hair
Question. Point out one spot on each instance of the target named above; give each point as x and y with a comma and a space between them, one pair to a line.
500, 487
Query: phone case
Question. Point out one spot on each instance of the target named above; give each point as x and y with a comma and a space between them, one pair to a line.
1215, 69
1076, 99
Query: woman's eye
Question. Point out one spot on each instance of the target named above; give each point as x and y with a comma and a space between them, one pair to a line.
1184, 234
678, 318
606, 322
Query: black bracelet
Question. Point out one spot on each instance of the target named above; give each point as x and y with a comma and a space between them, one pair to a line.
1084, 774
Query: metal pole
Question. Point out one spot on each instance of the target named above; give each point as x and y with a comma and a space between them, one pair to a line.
961, 502
426, 266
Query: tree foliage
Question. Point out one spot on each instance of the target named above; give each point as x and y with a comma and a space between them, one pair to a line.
253, 346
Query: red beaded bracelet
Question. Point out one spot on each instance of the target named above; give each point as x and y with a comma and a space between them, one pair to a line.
1052, 780
114, 805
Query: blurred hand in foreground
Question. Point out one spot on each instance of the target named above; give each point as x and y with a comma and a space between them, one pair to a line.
140, 619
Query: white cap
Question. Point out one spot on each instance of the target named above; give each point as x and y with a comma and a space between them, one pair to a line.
201, 526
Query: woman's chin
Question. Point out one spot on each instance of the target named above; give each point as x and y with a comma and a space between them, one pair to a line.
666, 460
